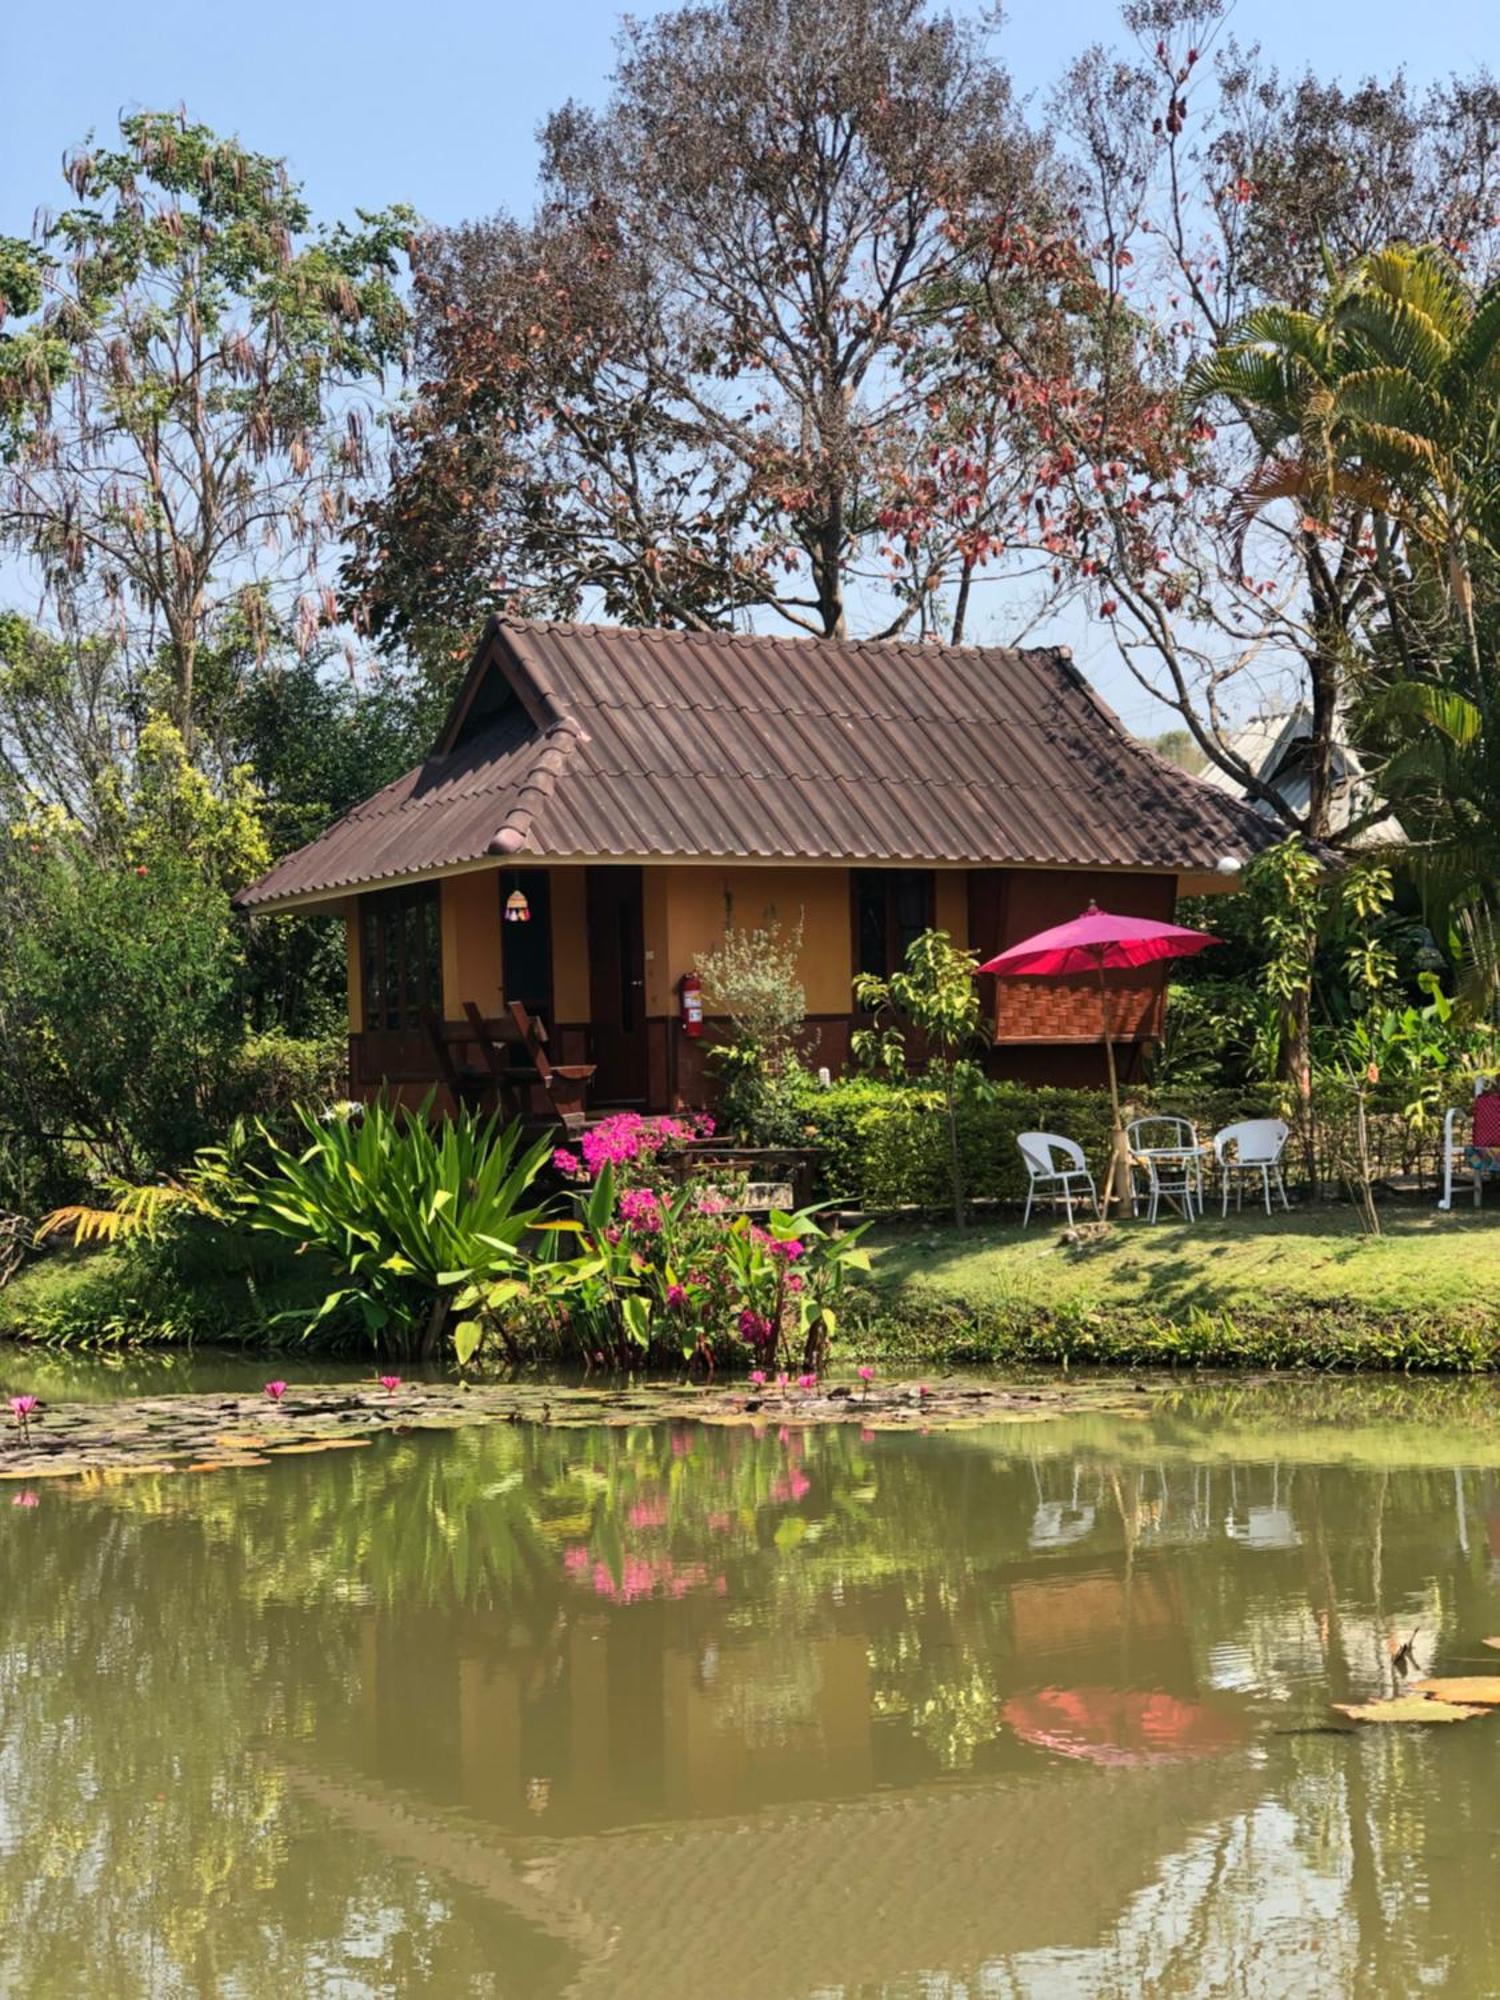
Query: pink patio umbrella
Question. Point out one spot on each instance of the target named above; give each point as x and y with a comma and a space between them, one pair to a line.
1100, 942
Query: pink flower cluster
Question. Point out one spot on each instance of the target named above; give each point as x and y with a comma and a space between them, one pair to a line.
640, 1210
755, 1328
787, 1249
625, 1139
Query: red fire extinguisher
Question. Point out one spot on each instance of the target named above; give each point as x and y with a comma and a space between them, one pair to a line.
690, 1000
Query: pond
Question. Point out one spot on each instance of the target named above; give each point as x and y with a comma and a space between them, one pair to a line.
1033, 1709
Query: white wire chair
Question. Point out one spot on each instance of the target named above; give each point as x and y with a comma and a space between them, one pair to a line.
1251, 1150
1171, 1153
1041, 1152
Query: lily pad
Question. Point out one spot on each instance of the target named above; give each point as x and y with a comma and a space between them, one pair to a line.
1408, 1708
1483, 1690
316, 1444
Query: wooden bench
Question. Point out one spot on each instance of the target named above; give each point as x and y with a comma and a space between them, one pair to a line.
512, 1062
775, 1176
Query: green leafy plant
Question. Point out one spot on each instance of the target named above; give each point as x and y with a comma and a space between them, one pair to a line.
753, 978
937, 996
412, 1212
638, 1275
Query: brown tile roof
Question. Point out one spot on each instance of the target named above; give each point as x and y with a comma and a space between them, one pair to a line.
574, 741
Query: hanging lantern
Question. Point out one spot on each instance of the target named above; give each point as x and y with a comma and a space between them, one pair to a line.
517, 909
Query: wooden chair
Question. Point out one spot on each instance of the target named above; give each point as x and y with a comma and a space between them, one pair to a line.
566, 1084
512, 1061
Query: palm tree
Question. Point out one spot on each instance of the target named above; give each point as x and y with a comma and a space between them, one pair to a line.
1376, 419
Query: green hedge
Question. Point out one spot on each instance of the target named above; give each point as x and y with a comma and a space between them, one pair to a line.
884, 1146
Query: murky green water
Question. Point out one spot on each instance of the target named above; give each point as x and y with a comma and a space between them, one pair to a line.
1039, 1710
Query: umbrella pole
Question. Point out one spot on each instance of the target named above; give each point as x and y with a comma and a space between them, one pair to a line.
1117, 1181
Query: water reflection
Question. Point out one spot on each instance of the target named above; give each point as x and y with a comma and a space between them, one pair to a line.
1040, 1710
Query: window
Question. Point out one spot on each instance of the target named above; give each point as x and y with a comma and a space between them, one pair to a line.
401, 956
892, 908
526, 949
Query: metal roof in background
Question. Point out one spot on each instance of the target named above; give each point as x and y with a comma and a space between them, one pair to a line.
620, 743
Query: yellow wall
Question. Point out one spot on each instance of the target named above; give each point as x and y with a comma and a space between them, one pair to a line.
950, 903
471, 942
687, 908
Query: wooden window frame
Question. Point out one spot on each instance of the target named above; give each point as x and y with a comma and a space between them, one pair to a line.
400, 928
861, 878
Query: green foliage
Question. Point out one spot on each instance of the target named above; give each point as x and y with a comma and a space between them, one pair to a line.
1317, 1336
638, 1276
408, 1210
319, 742
118, 1019
271, 1073
886, 1146
754, 978
935, 998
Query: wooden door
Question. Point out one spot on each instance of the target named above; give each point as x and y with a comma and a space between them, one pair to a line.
617, 985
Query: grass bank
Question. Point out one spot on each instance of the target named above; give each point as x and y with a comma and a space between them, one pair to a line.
104, 1298
1299, 1291
1305, 1290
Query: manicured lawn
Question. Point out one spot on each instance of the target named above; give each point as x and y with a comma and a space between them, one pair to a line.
1424, 1262
1305, 1290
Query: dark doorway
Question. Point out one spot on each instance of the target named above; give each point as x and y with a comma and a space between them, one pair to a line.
526, 948
617, 985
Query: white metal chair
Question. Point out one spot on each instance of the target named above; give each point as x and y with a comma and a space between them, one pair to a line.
1479, 1154
1041, 1151
1251, 1149
1171, 1153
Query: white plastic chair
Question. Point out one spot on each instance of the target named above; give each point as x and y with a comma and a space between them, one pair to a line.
1041, 1151
1172, 1155
1252, 1147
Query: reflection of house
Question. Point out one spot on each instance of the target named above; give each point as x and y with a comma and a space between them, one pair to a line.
630, 790
1276, 748
732, 1891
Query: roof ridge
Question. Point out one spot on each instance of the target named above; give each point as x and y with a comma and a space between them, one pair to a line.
681, 635
553, 752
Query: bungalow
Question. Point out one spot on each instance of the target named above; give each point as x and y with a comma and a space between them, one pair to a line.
628, 793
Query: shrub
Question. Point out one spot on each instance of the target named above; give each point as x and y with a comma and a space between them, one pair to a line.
935, 996
885, 1146
270, 1074
641, 1274
117, 1001
753, 977
407, 1211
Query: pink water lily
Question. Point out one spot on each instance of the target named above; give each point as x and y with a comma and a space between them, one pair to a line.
26, 1499
807, 1381
21, 1408
390, 1383
276, 1390
758, 1377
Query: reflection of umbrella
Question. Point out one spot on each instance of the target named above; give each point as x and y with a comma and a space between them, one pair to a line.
1104, 1725
1100, 942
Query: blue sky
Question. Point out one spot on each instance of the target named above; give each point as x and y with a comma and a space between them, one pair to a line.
437, 104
